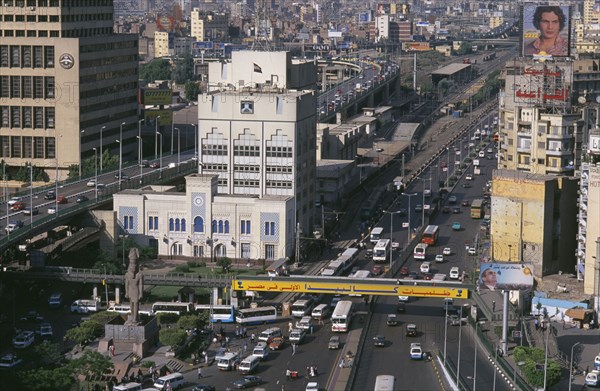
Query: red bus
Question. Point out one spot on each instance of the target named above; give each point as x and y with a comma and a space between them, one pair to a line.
430, 235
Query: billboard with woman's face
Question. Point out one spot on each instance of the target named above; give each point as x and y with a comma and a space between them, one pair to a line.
546, 30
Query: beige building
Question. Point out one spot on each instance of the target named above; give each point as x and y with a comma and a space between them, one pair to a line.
209, 26
65, 78
201, 223
533, 220
161, 44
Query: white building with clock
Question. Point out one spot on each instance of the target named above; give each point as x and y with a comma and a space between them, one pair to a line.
201, 223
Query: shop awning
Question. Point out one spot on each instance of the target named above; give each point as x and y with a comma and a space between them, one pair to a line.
577, 313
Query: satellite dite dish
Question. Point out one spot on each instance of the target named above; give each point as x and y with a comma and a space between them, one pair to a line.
598, 99
581, 99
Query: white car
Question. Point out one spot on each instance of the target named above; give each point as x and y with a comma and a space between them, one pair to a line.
447, 251
14, 200
454, 273
297, 336
52, 210
91, 183
481, 153
425, 267
472, 251
416, 352
403, 299
304, 323
261, 351
10, 361
469, 177
439, 258
23, 340
312, 386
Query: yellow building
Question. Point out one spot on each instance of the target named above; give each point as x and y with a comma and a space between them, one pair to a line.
534, 220
495, 21
161, 44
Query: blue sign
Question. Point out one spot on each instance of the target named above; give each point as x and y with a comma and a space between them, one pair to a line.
364, 17
204, 45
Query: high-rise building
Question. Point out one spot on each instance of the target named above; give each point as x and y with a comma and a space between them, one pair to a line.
66, 82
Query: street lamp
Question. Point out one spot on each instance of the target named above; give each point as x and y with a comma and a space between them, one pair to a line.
161, 150
546, 355
459, 341
571, 366
101, 129
30, 194
178, 147
80, 161
120, 158
140, 147
475, 336
391, 233
96, 172
156, 137
409, 196
123, 237
195, 140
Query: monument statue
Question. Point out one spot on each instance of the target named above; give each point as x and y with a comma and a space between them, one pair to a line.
134, 286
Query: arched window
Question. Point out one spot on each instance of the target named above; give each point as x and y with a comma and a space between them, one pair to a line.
226, 226
171, 225
214, 226
177, 227
198, 224
183, 225
220, 226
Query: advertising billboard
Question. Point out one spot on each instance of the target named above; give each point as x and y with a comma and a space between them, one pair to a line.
166, 117
384, 9
364, 17
506, 276
545, 30
155, 97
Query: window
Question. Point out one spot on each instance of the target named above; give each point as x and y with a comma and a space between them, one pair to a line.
269, 228
220, 226
214, 226
4, 87
26, 53
245, 227
128, 222
16, 116
198, 224
27, 87
15, 58
16, 146
152, 223
177, 226
171, 225
5, 146
198, 251
50, 117
49, 87
245, 250
38, 61
49, 56
38, 117
28, 117
4, 116
50, 148
183, 225
4, 56
226, 226
15, 87
269, 251
38, 144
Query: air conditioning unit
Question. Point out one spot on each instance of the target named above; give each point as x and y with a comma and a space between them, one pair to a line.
31, 8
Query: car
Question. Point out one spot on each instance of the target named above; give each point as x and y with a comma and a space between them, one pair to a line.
32, 316
334, 301
155, 165
467, 185
369, 254
452, 200
50, 195
425, 266
411, 330
481, 154
427, 276
404, 271
14, 200
31, 211
91, 183
446, 209
404, 299
447, 251
490, 150
455, 320
401, 307
456, 226
413, 275
304, 323
203, 387
402, 212
456, 210
82, 199
52, 210
416, 352
377, 270
261, 350
172, 165
62, 200
145, 163
334, 342
472, 251
392, 320
247, 381
468, 177
13, 226
312, 386
55, 300
419, 208
379, 341
439, 258
24, 339
45, 330
427, 193
17, 206
10, 361
123, 176
464, 203
297, 336
276, 343
454, 273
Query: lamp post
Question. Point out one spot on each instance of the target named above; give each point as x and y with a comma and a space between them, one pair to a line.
161, 150
195, 140
391, 234
123, 237
96, 172
80, 161
56, 188
408, 234
101, 129
140, 148
120, 157
475, 355
178, 147
459, 341
546, 356
30, 195
156, 137
445, 330
571, 366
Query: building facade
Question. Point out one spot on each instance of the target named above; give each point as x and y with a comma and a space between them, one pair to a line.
65, 79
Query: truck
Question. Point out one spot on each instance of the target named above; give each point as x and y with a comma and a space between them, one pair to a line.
476, 162
476, 171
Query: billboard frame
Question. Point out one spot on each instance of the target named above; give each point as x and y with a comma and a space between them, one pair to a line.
531, 14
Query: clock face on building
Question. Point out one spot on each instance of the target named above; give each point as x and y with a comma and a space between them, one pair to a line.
198, 200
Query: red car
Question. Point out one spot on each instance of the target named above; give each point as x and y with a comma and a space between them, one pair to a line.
61, 200
18, 206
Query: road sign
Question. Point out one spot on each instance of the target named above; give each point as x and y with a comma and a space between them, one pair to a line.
516, 334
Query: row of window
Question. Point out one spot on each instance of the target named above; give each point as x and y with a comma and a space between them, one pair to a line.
28, 147
31, 18
57, 3
26, 56
36, 117
221, 251
31, 34
179, 225
32, 87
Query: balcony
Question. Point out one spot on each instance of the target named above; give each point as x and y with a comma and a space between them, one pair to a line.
524, 148
524, 132
559, 136
558, 152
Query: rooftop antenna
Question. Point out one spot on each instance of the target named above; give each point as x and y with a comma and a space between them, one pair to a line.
263, 28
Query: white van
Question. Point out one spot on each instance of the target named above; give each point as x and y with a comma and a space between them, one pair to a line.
176, 381
261, 351
592, 379
128, 387
228, 361
385, 383
249, 364
321, 311
269, 334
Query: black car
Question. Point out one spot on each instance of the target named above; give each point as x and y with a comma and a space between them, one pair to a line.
401, 307
51, 195
30, 211
82, 199
204, 387
247, 381
446, 209
124, 177
456, 210
379, 341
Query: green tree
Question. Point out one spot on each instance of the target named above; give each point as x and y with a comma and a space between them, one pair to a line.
224, 263
156, 70
91, 364
24, 174
533, 369
189, 322
57, 379
85, 332
46, 354
172, 337
192, 89
184, 69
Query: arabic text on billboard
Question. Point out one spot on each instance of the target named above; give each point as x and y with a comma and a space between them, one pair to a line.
545, 30
157, 97
164, 120
506, 276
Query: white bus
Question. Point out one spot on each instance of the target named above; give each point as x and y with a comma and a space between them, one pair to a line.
122, 309
333, 268
381, 250
258, 315
359, 274
420, 251
341, 317
302, 308
168, 307
347, 259
376, 234
385, 383
220, 313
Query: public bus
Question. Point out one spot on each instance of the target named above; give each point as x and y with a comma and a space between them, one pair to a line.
359, 274
430, 235
258, 315
333, 268
420, 251
477, 209
220, 313
302, 307
341, 317
376, 234
278, 268
168, 307
385, 383
381, 250
347, 259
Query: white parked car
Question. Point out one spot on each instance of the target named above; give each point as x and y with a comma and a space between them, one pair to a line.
439, 258
472, 251
454, 273
23, 340
10, 361
447, 251
425, 267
